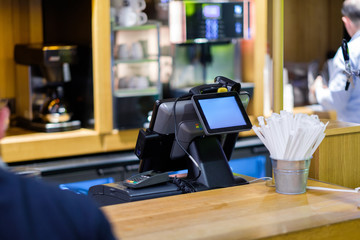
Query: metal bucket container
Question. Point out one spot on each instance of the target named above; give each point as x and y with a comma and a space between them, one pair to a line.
290, 175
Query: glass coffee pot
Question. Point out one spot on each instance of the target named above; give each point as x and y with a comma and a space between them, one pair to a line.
55, 109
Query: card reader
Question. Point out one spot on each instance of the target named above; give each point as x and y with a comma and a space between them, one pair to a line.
116, 193
146, 179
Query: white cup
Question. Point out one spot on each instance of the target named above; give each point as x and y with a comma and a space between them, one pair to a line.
122, 51
116, 3
127, 17
132, 82
142, 82
137, 51
141, 18
144, 44
138, 5
138, 82
123, 82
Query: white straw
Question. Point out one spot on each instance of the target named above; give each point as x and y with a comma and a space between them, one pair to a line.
289, 136
356, 190
259, 134
317, 144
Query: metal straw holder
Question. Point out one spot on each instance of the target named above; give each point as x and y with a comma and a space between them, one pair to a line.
290, 175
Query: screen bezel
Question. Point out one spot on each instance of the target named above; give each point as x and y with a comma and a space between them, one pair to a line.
201, 115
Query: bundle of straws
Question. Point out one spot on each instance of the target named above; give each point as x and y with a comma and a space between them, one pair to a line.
291, 136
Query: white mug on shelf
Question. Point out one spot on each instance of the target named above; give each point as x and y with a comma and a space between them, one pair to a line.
141, 18
132, 82
127, 17
138, 5
144, 44
142, 82
116, 3
124, 82
138, 82
122, 51
130, 14
137, 51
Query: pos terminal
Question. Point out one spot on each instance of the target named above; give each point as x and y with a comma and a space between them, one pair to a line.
197, 133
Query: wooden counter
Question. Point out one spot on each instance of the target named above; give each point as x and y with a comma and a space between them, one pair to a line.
317, 110
245, 212
337, 160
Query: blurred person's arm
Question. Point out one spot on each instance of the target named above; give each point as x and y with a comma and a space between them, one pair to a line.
333, 97
4, 120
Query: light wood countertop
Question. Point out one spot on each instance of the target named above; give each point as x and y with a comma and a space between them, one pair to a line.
336, 127
337, 160
251, 211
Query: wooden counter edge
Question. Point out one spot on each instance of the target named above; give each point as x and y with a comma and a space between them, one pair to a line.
343, 230
34, 146
336, 127
345, 227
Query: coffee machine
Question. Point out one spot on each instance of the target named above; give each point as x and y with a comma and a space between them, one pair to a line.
207, 38
41, 102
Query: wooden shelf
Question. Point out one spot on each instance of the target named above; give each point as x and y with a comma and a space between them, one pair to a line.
35, 146
149, 25
136, 61
129, 92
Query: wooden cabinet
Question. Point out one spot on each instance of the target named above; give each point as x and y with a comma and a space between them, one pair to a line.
26, 27
20, 22
337, 159
21, 145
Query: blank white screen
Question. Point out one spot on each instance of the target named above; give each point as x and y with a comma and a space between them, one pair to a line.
222, 112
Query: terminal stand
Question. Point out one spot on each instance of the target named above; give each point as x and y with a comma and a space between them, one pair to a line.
215, 170
191, 127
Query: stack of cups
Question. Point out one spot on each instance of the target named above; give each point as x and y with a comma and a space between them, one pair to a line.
129, 13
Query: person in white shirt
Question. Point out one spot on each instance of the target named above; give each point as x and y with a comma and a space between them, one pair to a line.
346, 103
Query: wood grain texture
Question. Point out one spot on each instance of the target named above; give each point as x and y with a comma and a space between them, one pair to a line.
278, 54
312, 28
27, 146
20, 22
102, 66
337, 160
6, 40
256, 106
252, 211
